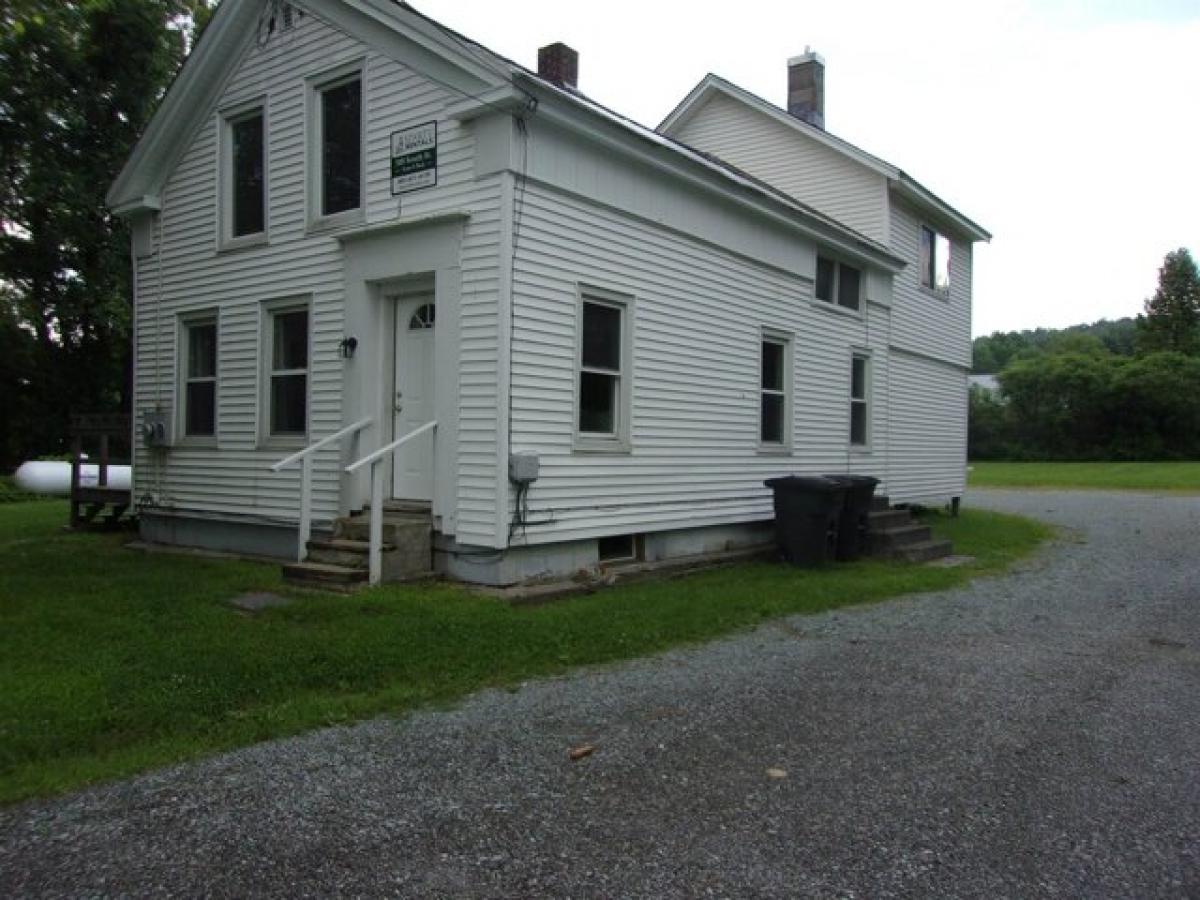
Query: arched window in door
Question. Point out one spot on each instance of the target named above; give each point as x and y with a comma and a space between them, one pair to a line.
422, 318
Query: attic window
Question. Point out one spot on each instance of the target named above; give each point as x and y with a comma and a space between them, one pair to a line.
838, 283
935, 260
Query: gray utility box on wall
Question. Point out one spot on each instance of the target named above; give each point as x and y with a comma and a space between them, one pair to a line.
156, 428
523, 468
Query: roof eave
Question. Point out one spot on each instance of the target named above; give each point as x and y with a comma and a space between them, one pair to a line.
917, 193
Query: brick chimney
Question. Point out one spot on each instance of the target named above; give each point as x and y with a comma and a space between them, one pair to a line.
806, 88
560, 64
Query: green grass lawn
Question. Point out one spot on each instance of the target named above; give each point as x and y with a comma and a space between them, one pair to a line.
113, 661
1127, 476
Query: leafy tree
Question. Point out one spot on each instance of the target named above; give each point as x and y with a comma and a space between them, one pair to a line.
1172, 319
1156, 408
79, 80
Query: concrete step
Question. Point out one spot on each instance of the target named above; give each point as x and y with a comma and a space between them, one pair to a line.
340, 552
880, 503
397, 530
923, 551
889, 539
323, 575
407, 545
882, 519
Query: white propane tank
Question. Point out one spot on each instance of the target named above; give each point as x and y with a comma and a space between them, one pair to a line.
43, 477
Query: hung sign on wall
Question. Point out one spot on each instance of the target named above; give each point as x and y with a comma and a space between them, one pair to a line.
414, 158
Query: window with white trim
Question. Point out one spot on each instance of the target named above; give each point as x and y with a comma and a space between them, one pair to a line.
244, 176
603, 395
287, 371
774, 392
338, 146
198, 390
838, 283
935, 260
860, 413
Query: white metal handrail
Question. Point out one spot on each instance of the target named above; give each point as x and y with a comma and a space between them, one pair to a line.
305, 458
373, 459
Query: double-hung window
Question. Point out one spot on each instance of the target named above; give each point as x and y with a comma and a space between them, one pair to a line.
244, 176
838, 283
602, 406
774, 381
935, 260
287, 371
336, 147
199, 382
859, 401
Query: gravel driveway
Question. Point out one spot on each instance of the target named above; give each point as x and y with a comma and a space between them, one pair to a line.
1031, 735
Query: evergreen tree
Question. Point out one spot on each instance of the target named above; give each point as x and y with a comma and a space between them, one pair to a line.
1172, 319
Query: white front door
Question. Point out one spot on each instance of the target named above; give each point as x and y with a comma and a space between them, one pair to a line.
412, 467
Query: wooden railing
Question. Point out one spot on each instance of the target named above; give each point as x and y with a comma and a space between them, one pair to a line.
375, 558
305, 458
88, 500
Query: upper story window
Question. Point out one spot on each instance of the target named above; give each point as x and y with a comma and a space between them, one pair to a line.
838, 283
339, 146
244, 176
935, 260
603, 396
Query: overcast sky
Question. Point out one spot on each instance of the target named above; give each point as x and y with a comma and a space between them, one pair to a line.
1070, 130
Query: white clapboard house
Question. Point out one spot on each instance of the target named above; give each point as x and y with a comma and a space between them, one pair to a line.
377, 265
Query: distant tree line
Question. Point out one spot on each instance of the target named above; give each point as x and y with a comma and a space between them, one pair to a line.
1120, 390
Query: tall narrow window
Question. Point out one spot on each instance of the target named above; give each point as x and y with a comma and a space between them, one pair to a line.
289, 372
248, 194
341, 146
773, 393
600, 369
935, 260
838, 283
200, 378
858, 401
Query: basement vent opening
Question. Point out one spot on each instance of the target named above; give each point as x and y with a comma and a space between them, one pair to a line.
618, 548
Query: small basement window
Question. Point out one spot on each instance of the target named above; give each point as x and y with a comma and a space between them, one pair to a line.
618, 548
935, 260
838, 283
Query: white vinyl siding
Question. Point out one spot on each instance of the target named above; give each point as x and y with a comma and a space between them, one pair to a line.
788, 160
927, 461
235, 481
695, 457
923, 321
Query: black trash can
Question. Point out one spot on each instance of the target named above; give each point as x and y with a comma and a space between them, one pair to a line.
806, 517
853, 522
